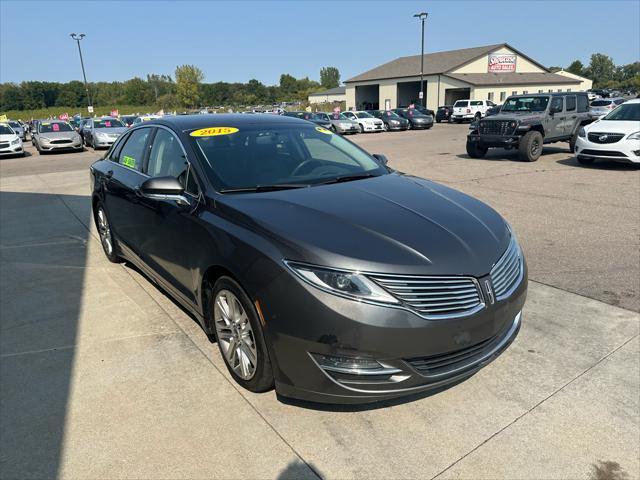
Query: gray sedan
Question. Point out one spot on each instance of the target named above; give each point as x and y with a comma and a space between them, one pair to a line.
19, 129
53, 135
102, 132
339, 123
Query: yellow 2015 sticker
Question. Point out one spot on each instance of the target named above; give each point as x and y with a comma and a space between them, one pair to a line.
129, 161
213, 131
323, 130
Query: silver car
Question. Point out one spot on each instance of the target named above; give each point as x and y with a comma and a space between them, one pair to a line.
19, 129
102, 132
51, 135
603, 106
339, 122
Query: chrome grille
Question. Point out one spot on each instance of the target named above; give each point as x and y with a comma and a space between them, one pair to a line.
507, 272
602, 137
497, 127
433, 297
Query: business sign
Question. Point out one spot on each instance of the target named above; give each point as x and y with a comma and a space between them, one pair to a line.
90, 108
502, 63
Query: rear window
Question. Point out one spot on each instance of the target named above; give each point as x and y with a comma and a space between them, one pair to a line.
600, 103
461, 103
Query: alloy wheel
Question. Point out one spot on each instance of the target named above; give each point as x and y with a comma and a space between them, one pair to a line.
535, 147
235, 336
105, 232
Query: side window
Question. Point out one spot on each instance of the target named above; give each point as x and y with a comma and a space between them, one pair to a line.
583, 103
167, 160
113, 153
132, 153
476, 103
571, 103
556, 103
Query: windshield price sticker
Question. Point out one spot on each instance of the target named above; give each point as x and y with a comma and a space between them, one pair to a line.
214, 131
323, 130
129, 161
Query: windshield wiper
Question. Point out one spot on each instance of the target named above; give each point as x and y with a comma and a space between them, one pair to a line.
348, 178
265, 188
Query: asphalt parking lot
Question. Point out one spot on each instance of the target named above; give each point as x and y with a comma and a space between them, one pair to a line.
103, 376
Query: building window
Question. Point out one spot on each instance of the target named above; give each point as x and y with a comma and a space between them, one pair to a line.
524, 92
551, 90
490, 96
559, 89
503, 95
515, 92
568, 89
540, 91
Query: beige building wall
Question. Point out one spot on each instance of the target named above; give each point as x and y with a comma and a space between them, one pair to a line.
482, 93
326, 98
481, 65
585, 83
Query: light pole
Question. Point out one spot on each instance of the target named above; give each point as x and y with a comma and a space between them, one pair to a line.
77, 38
423, 101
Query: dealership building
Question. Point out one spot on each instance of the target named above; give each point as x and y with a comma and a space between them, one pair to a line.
492, 72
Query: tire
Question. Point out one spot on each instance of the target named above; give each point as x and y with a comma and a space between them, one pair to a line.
572, 142
107, 240
585, 161
530, 147
256, 374
386, 127
474, 150
477, 117
409, 127
438, 121
361, 128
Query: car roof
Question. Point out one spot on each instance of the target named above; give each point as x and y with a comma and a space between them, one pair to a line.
192, 122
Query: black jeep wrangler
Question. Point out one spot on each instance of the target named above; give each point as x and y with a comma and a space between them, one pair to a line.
526, 122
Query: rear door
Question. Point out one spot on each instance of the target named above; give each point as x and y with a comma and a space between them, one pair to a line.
121, 183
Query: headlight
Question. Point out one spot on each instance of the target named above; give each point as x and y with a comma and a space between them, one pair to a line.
347, 284
16, 141
634, 136
583, 133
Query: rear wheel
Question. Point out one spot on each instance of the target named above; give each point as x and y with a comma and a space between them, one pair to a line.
475, 150
386, 127
530, 147
239, 334
106, 235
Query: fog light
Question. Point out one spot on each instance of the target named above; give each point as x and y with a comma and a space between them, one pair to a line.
352, 365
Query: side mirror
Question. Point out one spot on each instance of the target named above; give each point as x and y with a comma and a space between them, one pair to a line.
164, 188
381, 158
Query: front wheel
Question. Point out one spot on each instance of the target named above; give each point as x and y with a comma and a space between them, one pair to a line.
530, 147
361, 128
239, 334
475, 150
386, 127
572, 142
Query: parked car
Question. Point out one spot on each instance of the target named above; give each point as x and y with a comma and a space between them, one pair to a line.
493, 110
102, 132
390, 119
616, 136
367, 122
416, 119
10, 141
128, 119
55, 135
444, 113
526, 122
319, 270
145, 118
339, 123
471, 109
599, 108
421, 109
19, 129
320, 120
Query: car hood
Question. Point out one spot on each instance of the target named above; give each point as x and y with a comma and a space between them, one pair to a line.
58, 135
392, 224
612, 126
522, 117
8, 137
114, 130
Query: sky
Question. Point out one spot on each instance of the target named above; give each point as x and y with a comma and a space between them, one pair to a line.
235, 41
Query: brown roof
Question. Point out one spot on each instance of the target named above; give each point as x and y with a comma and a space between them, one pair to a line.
490, 79
434, 63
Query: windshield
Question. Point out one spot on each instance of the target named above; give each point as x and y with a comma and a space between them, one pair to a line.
338, 116
525, 104
107, 123
292, 155
364, 115
15, 125
6, 130
48, 127
625, 112
600, 103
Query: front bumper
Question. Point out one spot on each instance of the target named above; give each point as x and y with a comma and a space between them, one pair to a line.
351, 129
12, 150
627, 151
494, 141
368, 127
307, 321
400, 126
421, 125
48, 147
103, 143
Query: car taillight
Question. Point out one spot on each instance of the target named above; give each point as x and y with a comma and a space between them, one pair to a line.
446, 110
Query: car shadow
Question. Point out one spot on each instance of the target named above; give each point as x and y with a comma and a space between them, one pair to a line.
600, 164
43, 260
501, 154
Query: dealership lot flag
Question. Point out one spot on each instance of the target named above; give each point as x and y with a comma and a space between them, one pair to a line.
3, 118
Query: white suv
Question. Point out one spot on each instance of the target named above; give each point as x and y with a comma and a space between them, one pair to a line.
470, 109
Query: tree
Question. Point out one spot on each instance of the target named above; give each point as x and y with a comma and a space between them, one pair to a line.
576, 67
137, 92
329, 77
188, 79
160, 84
601, 69
288, 85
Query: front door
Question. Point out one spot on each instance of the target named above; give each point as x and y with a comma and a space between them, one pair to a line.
555, 122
